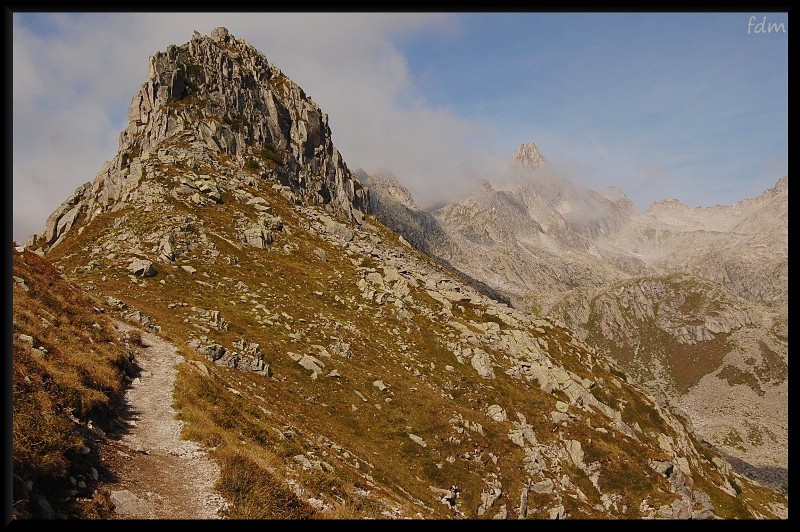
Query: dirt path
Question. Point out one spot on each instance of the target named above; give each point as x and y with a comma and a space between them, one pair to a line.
158, 475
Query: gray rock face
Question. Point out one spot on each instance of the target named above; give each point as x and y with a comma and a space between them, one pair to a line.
482, 364
281, 119
64, 217
224, 94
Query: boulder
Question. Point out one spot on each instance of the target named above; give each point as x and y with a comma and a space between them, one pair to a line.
312, 364
575, 452
213, 352
496, 412
126, 503
556, 513
416, 439
482, 364
545, 486
142, 267
257, 236
339, 231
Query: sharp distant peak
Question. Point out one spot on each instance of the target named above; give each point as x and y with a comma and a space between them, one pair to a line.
528, 154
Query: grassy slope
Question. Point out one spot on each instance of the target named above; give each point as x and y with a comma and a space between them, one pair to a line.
364, 444
56, 394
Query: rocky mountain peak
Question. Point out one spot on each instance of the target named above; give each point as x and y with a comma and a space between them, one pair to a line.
528, 155
218, 95
781, 188
666, 204
613, 193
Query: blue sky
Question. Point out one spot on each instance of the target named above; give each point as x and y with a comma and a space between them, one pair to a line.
646, 101
661, 105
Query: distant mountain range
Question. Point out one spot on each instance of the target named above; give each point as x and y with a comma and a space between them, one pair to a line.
692, 301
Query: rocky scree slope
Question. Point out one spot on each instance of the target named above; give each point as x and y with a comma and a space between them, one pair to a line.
601, 267
334, 371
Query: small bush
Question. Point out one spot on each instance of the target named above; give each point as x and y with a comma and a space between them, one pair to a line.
251, 164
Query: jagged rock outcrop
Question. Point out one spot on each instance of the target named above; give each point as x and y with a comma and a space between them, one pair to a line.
529, 156
224, 96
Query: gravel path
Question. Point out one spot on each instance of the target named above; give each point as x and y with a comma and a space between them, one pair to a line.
159, 475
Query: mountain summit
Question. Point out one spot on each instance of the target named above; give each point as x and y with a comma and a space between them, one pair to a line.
217, 94
528, 155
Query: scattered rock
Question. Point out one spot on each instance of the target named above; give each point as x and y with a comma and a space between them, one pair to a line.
416, 439
496, 412
321, 254
26, 338
556, 513
545, 486
126, 503
44, 506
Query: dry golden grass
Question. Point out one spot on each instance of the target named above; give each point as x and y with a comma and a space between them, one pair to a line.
74, 367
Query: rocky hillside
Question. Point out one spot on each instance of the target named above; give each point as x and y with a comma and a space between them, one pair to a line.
218, 94
743, 247
332, 370
687, 340
598, 265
